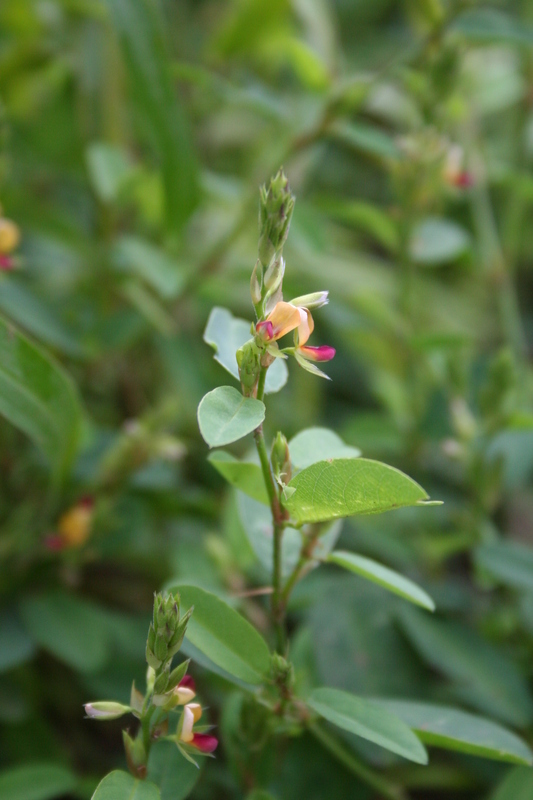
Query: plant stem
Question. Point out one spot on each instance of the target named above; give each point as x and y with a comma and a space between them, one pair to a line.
277, 524
386, 789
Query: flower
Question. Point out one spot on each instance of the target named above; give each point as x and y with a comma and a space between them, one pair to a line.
106, 710
283, 319
185, 691
186, 734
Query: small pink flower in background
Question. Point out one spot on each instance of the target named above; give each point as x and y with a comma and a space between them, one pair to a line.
6, 263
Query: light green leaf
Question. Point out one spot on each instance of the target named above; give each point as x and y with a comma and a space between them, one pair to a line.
226, 334
485, 677
224, 635
16, 647
492, 25
141, 33
137, 256
453, 729
346, 486
517, 785
71, 628
438, 241
174, 776
368, 720
364, 138
509, 562
36, 782
383, 576
224, 415
109, 167
120, 785
242, 474
38, 397
318, 444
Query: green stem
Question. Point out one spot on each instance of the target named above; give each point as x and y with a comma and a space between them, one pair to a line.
386, 789
261, 384
145, 727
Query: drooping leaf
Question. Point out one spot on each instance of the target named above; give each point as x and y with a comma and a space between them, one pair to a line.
244, 475
318, 444
437, 241
36, 781
120, 785
224, 415
388, 578
485, 677
69, 627
140, 31
224, 635
38, 397
174, 775
509, 562
346, 486
453, 729
226, 334
368, 720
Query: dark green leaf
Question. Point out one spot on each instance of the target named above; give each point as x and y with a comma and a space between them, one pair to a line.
517, 785
36, 782
174, 776
509, 562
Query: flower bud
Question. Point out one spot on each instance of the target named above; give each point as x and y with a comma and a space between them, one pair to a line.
280, 458
313, 300
275, 211
274, 274
106, 710
249, 366
255, 283
135, 754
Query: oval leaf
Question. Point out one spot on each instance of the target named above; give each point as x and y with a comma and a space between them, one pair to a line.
173, 774
224, 636
224, 416
119, 785
456, 730
226, 333
346, 486
318, 444
36, 782
242, 474
38, 397
368, 720
383, 576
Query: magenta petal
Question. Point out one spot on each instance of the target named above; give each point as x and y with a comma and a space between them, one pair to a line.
6, 263
204, 742
322, 353
187, 682
265, 329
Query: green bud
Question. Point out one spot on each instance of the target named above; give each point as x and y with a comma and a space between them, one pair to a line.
274, 274
135, 755
178, 674
161, 647
249, 366
136, 700
106, 710
256, 283
161, 683
280, 458
313, 300
282, 672
275, 211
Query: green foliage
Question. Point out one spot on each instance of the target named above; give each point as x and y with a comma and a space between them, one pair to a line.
225, 416
119, 785
36, 782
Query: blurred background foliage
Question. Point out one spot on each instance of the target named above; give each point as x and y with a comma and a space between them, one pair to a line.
133, 137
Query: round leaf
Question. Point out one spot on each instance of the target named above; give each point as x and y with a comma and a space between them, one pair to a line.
456, 730
224, 635
224, 416
346, 486
368, 720
383, 576
119, 785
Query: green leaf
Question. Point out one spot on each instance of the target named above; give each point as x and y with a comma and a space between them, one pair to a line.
453, 729
175, 776
120, 785
383, 576
224, 635
367, 139
38, 397
437, 241
140, 30
109, 167
346, 486
226, 334
368, 720
318, 444
486, 678
16, 647
243, 475
36, 782
509, 562
517, 785
224, 415
363, 216
137, 256
69, 627
492, 25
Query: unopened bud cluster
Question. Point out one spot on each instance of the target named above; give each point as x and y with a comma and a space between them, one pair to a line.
165, 635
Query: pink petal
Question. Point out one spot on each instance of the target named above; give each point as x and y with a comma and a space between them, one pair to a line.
6, 263
265, 329
187, 682
204, 742
322, 353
